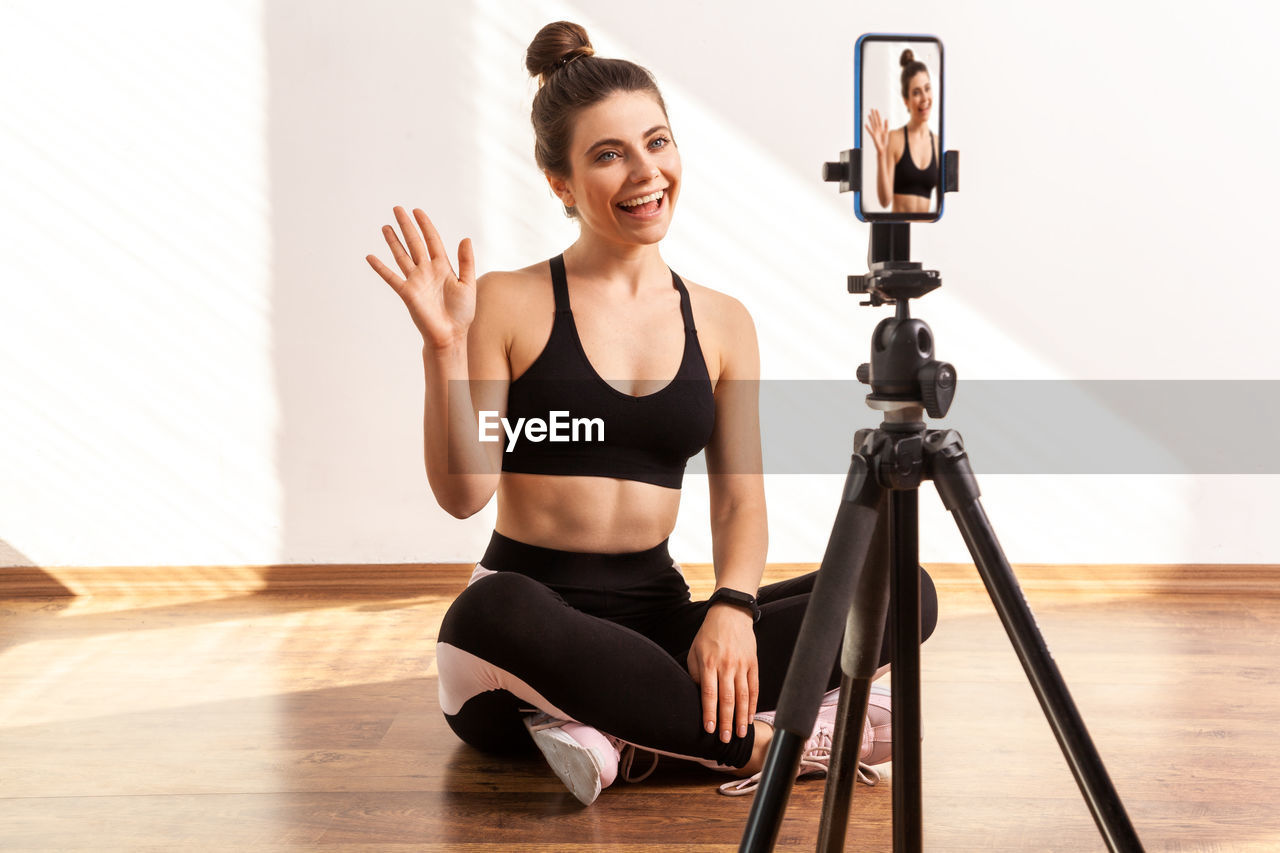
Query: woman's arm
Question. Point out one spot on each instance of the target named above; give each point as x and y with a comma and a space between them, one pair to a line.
722, 658
739, 528
884, 172
462, 381
460, 343
878, 130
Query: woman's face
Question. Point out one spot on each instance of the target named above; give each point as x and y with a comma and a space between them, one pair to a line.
621, 151
919, 99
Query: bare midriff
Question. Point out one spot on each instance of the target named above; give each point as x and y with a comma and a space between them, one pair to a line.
600, 515
907, 203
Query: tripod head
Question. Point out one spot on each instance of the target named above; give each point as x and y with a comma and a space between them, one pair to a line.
903, 374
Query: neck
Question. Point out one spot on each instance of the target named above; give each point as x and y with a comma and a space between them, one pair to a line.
625, 266
914, 125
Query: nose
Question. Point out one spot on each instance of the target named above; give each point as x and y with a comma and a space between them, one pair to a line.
643, 169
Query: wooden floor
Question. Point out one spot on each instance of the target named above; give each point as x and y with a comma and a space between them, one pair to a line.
222, 716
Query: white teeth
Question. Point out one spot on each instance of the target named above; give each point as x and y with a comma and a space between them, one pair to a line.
654, 196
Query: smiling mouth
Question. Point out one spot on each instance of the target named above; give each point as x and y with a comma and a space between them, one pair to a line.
647, 205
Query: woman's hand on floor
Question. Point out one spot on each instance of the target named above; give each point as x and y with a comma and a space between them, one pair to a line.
722, 661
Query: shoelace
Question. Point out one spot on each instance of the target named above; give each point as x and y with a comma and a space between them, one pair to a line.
815, 759
546, 721
627, 759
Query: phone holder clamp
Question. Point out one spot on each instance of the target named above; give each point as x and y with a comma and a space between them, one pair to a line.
848, 171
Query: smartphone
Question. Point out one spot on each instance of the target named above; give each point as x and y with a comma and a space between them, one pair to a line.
898, 110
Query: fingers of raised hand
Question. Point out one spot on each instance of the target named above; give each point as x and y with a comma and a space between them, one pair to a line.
466, 261
878, 123
412, 237
398, 252
382, 270
434, 245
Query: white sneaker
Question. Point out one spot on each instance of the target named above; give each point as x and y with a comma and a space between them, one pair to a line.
585, 759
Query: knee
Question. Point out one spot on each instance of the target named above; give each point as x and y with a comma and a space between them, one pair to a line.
495, 606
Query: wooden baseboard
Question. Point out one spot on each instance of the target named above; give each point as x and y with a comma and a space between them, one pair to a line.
409, 580
352, 580
1133, 579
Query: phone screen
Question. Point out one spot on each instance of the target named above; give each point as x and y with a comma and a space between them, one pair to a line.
898, 91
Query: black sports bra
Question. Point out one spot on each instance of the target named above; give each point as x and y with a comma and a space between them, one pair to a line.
909, 180
595, 430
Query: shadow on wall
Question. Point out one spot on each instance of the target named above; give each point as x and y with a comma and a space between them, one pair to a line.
19, 576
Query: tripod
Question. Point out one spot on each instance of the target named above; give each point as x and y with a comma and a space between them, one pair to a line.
870, 568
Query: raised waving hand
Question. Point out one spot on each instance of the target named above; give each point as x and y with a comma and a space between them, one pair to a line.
441, 303
878, 130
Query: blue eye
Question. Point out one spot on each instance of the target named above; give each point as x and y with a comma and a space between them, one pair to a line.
610, 156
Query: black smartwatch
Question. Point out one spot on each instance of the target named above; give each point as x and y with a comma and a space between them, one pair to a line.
740, 599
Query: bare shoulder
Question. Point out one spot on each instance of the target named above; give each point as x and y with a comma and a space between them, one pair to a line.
502, 286
725, 330
514, 313
725, 313
503, 296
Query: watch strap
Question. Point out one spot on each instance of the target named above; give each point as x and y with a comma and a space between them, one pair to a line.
738, 598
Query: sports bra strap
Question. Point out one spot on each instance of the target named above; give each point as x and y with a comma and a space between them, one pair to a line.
560, 284
686, 308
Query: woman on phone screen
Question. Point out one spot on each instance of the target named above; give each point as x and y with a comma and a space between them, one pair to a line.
907, 157
577, 626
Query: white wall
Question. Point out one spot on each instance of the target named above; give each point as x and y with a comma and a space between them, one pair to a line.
197, 366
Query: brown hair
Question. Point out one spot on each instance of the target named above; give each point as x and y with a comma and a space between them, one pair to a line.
910, 68
570, 79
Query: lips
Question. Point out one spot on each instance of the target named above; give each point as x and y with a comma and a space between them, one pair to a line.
648, 210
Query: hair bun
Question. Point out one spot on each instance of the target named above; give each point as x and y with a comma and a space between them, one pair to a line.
554, 47
907, 58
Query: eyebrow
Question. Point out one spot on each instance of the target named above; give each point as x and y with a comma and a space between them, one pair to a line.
650, 132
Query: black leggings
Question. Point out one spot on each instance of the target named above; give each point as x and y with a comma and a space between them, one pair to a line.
603, 639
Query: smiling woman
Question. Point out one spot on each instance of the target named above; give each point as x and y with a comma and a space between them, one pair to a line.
907, 171
577, 632
638, 176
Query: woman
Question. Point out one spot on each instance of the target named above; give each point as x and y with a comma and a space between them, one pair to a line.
899, 177
577, 625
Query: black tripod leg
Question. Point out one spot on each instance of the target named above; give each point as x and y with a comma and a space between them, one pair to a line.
859, 659
904, 586
815, 651
959, 490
